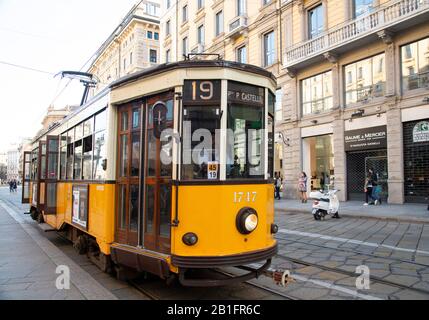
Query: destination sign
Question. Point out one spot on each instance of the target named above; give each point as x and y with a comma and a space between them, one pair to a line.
245, 94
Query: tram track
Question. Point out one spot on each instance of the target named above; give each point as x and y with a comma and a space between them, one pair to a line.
353, 251
352, 274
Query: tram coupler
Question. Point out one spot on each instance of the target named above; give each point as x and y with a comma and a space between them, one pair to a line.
281, 277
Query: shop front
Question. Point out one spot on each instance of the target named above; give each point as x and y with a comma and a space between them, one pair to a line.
318, 156
416, 160
366, 149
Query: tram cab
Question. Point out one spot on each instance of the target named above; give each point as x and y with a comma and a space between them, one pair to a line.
168, 170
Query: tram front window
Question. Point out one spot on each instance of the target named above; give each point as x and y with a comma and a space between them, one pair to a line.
202, 148
245, 136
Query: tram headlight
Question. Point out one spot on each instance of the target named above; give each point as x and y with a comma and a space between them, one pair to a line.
247, 220
190, 239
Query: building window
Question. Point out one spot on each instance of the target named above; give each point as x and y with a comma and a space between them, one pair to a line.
265, 2
184, 14
168, 4
415, 65
318, 161
152, 9
153, 58
125, 64
185, 46
156, 36
149, 35
365, 79
361, 7
131, 58
200, 4
241, 7
167, 56
167, 28
200, 34
315, 21
269, 49
317, 93
219, 23
242, 54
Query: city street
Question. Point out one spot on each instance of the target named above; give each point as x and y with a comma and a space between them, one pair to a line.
322, 257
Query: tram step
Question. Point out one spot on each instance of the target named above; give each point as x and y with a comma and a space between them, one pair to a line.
46, 227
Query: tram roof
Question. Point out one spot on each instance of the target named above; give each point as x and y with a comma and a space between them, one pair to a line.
191, 64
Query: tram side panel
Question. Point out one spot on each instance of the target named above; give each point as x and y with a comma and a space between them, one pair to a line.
211, 212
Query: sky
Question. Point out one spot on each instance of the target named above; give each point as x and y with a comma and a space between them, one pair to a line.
49, 36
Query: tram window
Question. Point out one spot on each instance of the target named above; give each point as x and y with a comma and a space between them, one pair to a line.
87, 158
87, 127
99, 156
70, 155
43, 163
136, 118
101, 121
78, 133
53, 159
196, 159
124, 156
245, 136
134, 206
77, 174
135, 154
271, 111
63, 156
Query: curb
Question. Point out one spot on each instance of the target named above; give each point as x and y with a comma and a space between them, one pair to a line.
360, 216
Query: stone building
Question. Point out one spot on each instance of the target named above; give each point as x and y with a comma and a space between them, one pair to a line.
236, 30
12, 163
132, 46
357, 96
352, 83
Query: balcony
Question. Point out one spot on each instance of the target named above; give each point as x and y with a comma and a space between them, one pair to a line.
237, 26
393, 16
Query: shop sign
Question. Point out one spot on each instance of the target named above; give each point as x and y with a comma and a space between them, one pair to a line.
366, 138
421, 132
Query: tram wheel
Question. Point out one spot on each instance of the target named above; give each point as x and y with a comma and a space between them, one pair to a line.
39, 218
33, 214
81, 245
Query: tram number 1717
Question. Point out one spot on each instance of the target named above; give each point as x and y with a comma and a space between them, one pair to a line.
249, 197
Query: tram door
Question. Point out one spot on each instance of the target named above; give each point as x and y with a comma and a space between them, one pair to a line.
41, 185
51, 174
26, 177
158, 174
128, 177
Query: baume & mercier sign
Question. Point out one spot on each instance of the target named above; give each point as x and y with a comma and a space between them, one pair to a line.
366, 138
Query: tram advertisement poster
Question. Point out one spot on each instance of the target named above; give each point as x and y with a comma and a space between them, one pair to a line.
80, 206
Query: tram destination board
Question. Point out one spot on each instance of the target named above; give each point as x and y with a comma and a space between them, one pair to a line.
202, 92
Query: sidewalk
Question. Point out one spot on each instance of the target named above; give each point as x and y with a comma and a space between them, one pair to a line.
394, 212
28, 264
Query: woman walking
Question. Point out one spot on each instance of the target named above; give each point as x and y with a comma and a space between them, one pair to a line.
368, 189
302, 187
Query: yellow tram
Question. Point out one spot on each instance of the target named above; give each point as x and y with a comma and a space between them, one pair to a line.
166, 171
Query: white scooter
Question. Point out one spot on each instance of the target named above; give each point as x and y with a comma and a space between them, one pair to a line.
325, 203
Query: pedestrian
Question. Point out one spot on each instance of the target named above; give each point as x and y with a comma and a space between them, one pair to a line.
15, 186
368, 189
10, 186
302, 187
376, 187
277, 186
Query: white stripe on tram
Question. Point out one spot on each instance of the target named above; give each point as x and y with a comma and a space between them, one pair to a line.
346, 240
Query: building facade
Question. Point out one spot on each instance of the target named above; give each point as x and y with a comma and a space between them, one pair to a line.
133, 45
236, 30
357, 96
13, 163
